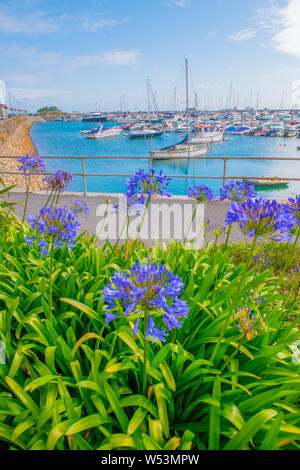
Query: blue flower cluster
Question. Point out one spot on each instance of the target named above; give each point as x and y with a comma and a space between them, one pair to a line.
260, 217
132, 203
290, 214
238, 191
59, 181
147, 185
147, 288
201, 193
79, 207
58, 226
31, 164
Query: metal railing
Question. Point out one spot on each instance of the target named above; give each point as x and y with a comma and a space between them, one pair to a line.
150, 159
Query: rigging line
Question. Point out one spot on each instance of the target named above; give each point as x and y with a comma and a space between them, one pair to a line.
180, 77
192, 81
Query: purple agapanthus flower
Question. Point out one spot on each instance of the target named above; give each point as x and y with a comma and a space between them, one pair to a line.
147, 288
147, 185
79, 207
58, 181
31, 164
132, 203
58, 226
258, 217
201, 193
290, 217
237, 191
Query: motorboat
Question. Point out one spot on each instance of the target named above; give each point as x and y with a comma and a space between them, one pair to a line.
99, 133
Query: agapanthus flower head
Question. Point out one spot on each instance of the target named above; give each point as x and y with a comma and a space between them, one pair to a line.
58, 181
258, 217
237, 191
31, 164
147, 185
290, 217
217, 230
250, 323
147, 289
201, 193
131, 204
262, 260
79, 207
58, 226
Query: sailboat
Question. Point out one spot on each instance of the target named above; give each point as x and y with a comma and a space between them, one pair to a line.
147, 131
183, 149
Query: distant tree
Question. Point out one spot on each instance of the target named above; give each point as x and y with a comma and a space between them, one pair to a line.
48, 109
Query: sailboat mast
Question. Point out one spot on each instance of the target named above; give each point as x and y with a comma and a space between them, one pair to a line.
187, 90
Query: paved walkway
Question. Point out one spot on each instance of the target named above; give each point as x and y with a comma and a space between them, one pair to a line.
168, 218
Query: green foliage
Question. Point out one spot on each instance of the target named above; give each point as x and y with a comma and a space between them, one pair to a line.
76, 383
48, 109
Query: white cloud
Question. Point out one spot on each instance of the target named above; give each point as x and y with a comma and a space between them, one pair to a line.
242, 35
36, 93
41, 22
212, 35
288, 38
177, 3
23, 78
35, 23
30, 54
116, 57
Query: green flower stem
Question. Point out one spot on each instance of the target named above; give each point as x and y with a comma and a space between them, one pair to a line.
26, 199
235, 352
292, 250
103, 223
49, 198
143, 218
127, 226
191, 222
50, 278
235, 297
121, 233
146, 320
227, 238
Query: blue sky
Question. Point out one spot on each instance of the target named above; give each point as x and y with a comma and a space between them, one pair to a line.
98, 54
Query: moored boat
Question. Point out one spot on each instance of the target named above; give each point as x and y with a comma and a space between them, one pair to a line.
267, 183
206, 135
103, 134
144, 134
181, 150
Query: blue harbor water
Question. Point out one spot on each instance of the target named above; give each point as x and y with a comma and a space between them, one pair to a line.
65, 139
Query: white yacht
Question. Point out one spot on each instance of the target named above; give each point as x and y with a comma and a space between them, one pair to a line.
206, 135
99, 133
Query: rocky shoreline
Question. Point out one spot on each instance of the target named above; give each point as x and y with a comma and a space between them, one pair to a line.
16, 141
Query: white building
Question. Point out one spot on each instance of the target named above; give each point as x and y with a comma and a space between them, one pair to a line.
3, 107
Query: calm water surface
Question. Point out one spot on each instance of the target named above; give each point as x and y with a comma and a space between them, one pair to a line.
66, 139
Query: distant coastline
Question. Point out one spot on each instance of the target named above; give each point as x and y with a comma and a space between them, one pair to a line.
15, 140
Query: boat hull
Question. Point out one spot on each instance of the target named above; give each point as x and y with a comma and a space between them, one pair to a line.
209, 139
171, 154
145, 135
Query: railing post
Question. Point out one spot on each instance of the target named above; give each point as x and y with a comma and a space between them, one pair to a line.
150, 165
224, 170
83, 176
